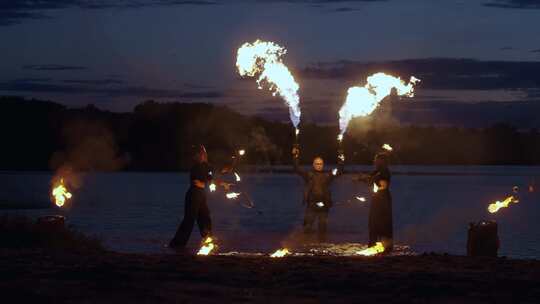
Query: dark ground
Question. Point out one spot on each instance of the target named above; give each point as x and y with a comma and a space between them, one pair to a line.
34, 275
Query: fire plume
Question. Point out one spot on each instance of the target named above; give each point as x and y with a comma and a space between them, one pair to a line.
61, 194
263, 59
362, 101
207, 247
493, 208
280, 253
373, 250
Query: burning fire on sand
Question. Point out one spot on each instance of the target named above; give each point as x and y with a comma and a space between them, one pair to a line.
207, 247
280, 253
61, 194
493, 208
378, 248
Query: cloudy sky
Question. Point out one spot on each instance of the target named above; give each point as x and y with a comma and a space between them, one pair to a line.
478, 57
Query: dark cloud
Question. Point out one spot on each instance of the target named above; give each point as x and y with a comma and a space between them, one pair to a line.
53, 67
459, 74
522, 4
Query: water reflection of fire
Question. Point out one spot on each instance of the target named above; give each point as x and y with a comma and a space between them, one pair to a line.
280, 253
493, 208
373, 250
207, 247
61, 194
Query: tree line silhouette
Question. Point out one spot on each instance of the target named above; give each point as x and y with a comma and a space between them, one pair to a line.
43, 135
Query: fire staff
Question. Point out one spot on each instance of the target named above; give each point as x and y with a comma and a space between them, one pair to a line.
196, 207
317, 197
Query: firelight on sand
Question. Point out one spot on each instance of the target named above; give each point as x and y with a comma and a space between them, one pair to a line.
280, 253
263, 59
207, 247
378, 248
493, 208
61, 194
362, 101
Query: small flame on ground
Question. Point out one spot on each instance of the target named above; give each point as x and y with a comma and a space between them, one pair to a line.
241, 152
375, 188
387, 147
334, 171
207, 247
361, 198
237, 177
493, 208
232, 195
362, 101
280, 253
212, 187
263, 59
378, 248
61, 194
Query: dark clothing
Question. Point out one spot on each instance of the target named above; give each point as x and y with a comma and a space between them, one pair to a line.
380, 211
195, 208
316, 190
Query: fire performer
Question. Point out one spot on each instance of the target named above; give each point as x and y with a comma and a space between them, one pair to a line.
380, 210
196, 208
317, 197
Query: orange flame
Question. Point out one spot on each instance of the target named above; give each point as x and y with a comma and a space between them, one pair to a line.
378, 248
207, 247
280, 253
61, 194
493, 208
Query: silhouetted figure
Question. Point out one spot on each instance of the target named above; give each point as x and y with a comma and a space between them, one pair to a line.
380, 210
317, 197
196, 207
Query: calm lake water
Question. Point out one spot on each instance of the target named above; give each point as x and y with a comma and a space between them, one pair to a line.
139, 212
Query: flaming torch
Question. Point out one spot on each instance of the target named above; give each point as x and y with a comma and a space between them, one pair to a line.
493, 208
280, 253
378, 248
362, 101
61, 194
263, 59
207, 247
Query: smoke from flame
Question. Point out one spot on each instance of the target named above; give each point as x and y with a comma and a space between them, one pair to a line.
60, 194
280, 253
493, 208
362, 101
207, 247
378, 248
263, 59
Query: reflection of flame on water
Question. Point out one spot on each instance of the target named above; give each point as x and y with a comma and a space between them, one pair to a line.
362, 101
212, 187
60, 194
280, 253
237, 177
361, 198
378, 248
375, 188
206, 247
263, 59
387, 147
492, 208
232, 195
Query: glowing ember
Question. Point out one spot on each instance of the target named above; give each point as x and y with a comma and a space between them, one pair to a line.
280, 253
362, 101
232, 195
241, 152
375, 188
237, 177
492, 208
207, 247
60, 194
212, 187
378, 248
263, 59
360, 198
387, 147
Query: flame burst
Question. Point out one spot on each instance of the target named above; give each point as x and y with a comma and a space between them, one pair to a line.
232, 195
280, 253
492, 208
61, 194
378, 248
263, 59
387, 147
362, 101
207, 247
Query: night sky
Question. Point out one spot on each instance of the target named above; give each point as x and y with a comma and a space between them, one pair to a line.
479, 59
